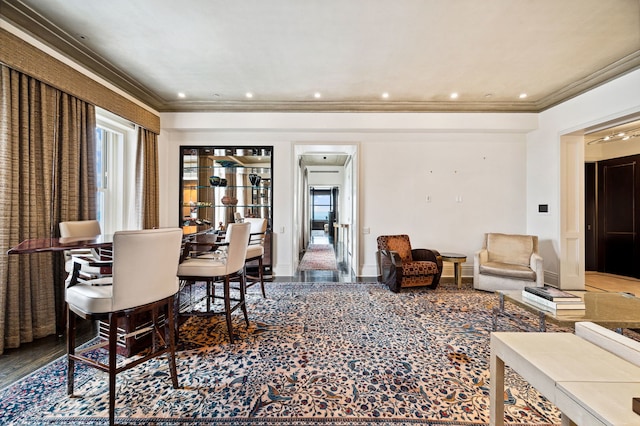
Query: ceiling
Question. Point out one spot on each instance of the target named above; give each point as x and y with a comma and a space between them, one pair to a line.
419, 52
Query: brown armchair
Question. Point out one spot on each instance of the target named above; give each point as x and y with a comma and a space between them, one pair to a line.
400, 266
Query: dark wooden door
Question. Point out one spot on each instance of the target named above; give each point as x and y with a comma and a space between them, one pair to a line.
618, 245
590, 218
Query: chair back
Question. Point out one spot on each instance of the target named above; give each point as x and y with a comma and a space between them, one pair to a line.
510, 248
258, 229
145, 266
79, 229
398, 243
238, 235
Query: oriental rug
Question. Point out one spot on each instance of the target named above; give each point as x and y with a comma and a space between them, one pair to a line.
343, 354
318, 257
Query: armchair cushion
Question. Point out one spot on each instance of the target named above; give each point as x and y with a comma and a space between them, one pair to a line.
512, 249
501, 269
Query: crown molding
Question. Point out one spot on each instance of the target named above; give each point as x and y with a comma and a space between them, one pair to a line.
617, 69
40, 28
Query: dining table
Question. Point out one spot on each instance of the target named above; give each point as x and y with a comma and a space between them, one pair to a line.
103, 245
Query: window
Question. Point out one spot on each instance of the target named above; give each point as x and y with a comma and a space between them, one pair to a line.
322, 207
115, 173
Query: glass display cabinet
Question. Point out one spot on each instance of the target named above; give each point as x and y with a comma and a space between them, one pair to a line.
220, 184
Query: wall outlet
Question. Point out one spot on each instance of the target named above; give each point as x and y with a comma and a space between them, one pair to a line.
366, 230
428, 199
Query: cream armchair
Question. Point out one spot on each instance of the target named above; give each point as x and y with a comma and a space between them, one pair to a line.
508, 262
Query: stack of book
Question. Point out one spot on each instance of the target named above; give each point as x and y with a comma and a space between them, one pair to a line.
552, 299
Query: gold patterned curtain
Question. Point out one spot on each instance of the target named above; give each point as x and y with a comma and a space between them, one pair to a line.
147, 191
47, 161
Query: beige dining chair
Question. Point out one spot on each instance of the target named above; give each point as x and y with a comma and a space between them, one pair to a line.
88, 262
219, 269
144, 280
255, 251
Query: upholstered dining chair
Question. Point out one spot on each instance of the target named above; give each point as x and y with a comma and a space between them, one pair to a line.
255, 250
87, 261
226, 268
144, 280
401, 266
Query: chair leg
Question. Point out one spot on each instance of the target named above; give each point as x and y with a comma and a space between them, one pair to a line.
71, 349
113, 348
243, 290
170, 328
227, 306
261, 275
155, 331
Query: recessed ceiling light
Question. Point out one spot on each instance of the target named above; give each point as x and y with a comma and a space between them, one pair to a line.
182, 95
317, 95
249, 95
621, 134
523, 95
385, 95
454, 95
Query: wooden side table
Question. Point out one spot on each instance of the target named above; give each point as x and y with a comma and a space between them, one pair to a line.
457, 259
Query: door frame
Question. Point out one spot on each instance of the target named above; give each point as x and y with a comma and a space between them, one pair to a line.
350, 191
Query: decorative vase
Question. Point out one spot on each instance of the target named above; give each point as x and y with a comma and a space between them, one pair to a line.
226, 200
214, 180
254, 179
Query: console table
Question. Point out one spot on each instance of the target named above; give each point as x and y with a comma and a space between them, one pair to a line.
589, 384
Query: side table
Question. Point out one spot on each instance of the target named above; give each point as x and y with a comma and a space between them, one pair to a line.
457, 259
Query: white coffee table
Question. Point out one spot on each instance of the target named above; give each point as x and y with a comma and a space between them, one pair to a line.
576, 375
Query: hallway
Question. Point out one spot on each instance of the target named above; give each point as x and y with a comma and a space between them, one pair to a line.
344, 272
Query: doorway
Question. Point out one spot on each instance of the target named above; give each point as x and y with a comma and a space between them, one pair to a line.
612, 209
326, 202
584, 201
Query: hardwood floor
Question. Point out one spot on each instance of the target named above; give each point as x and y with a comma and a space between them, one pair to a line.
20, 362
17, 363
595, 281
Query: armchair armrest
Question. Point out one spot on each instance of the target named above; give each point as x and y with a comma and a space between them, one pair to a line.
390, 269
535, 263
430, 255
427, 254
392, 257
481, 256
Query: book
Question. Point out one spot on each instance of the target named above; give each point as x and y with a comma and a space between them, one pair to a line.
551, 305
552, 293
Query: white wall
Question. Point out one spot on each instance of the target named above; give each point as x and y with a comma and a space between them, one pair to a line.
605, 104
479, 159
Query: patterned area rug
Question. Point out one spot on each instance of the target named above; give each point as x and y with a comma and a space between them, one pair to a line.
314, 353
319, 257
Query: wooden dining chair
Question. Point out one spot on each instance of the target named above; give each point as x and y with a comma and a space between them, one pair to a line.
144, 280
